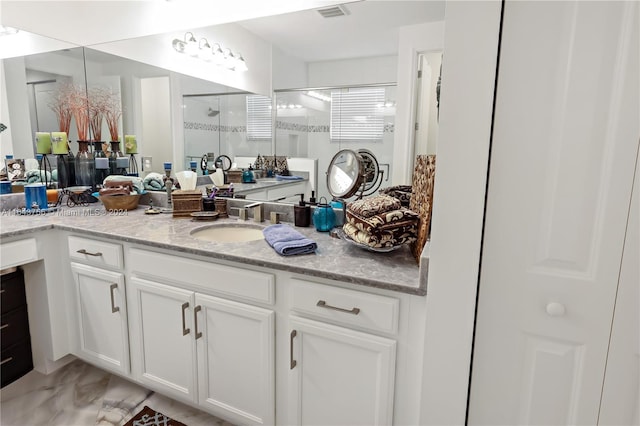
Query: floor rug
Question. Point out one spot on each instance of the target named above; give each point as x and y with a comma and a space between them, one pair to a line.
149, 417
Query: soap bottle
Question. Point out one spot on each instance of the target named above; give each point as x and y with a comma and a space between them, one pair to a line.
312, 200
302, 213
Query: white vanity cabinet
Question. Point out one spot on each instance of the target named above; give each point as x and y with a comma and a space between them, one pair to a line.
337, 375
101, 328
200, 348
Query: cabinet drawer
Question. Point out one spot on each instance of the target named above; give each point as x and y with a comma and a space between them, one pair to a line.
16, 362
348, 307
18, 253
95, 252
12, 293
204, 276
15, 327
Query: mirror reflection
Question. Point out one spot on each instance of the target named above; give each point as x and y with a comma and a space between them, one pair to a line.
317, 123
236, 125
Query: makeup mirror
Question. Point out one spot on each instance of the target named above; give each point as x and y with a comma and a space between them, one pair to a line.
345, 174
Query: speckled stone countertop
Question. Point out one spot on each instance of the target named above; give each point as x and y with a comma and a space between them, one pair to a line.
334, 259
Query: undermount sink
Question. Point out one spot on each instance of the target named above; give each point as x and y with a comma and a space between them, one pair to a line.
229, 233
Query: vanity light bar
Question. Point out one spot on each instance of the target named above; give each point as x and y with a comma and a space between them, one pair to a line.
223, 57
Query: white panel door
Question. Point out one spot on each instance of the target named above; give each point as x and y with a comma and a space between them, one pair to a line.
163, 352
621, 393
339, 376
102, 336
563, 155
236, 367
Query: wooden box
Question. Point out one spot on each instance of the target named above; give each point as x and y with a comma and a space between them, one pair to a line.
234, 176
186, 202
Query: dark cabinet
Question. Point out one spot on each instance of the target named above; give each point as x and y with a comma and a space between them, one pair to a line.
14, 328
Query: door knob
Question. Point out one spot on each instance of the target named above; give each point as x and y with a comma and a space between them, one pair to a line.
555, 309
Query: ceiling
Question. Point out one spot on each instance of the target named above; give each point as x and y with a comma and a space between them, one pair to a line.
87, 22
369, 29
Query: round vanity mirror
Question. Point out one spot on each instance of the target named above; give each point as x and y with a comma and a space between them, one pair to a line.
345, 174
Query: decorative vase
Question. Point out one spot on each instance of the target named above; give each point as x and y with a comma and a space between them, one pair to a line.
85, 167
101, 163
324, 218
118, 163
66, 170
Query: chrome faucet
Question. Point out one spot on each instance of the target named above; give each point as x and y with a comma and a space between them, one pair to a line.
258, 211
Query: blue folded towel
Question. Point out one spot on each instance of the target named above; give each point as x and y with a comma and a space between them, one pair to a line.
286, 241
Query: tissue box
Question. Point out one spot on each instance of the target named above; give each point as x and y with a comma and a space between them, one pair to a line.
186, 202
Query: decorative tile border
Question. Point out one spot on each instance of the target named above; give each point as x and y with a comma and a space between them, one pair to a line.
280, 125
192, 125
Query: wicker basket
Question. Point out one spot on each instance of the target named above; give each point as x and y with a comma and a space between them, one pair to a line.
120, 202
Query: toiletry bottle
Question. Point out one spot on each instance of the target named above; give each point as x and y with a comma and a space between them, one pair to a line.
302, 213
312, 200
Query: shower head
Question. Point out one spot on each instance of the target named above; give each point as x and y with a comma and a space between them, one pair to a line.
212, 113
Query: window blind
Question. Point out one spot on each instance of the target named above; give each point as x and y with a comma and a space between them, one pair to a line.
357, 115
258, 117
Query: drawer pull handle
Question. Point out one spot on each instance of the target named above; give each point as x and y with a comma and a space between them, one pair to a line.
114, 308
4, 326
1, 291
323, 304
185, 330
292, 361
195, 320
88, 253
4, 361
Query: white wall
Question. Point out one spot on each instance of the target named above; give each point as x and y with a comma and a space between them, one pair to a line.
379, 69
158, 51
468, 76
413, 39
288, 72
156, 121
17, 139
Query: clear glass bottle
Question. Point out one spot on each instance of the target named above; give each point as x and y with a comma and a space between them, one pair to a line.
101, 164
115, 166
85, 166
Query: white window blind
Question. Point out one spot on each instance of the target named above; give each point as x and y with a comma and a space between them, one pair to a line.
258, 117
357, 115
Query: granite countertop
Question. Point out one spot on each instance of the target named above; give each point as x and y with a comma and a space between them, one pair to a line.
264, 183
334, 259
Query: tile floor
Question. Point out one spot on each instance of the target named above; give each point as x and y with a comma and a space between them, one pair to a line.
79, 394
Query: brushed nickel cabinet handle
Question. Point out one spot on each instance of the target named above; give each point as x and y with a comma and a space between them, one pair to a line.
1, 291
323, 304
114, 308
195, 320
4, 361
4, 326
88, 253
185, 330
292, 361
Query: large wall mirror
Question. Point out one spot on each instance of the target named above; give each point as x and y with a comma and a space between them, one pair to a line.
375, 44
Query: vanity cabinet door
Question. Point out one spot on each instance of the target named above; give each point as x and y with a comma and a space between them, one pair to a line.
339, 376
102, 335
163, 354
235, 344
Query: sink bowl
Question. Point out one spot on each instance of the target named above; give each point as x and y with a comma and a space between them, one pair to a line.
229, 233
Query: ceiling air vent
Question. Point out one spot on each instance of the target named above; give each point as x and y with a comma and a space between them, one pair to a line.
333, 11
